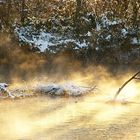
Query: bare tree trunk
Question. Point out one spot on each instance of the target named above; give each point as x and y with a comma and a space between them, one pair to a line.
78, 15
135, 6
8, 12
22, 11
78, 8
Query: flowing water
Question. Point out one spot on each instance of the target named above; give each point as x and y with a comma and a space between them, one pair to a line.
81, 118
88, 117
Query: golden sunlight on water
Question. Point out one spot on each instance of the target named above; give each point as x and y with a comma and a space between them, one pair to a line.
89, 117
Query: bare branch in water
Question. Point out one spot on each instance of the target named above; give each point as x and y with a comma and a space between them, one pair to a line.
137, 78
120, 89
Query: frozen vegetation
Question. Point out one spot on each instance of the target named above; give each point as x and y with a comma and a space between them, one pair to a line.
89, 31
45, 41
107, 33
66, 89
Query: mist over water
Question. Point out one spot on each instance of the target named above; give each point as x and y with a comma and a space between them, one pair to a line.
93, 115
87, 117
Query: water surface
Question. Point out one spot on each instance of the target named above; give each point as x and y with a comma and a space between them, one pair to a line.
74, 118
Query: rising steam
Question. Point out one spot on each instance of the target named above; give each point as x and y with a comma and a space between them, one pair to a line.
44, 117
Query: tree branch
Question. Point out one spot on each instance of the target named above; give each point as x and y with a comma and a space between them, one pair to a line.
137, 78
120, 89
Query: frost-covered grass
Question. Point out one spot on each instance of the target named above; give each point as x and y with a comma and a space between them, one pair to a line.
64, 89
55, 89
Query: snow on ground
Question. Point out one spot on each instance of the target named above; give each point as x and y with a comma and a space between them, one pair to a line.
68, 89
124, 32
135, 41
4, 90
53, 42
44, 40
57, 39
106, 22
3, 86
63, 89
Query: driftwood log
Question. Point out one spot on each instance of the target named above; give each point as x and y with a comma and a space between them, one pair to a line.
120, 89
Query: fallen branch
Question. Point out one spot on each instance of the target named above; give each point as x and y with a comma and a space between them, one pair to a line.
120, 89
137, 78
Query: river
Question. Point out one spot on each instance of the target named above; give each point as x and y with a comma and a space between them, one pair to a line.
89, 117
81, 118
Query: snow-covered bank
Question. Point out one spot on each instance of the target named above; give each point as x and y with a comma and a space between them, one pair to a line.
44, 41
66, 89
108, 33
102, 39
4, 90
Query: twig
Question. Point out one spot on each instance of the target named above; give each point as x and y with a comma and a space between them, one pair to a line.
120, 89
137, 78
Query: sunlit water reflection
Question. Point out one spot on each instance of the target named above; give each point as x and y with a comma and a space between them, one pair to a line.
87, 117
